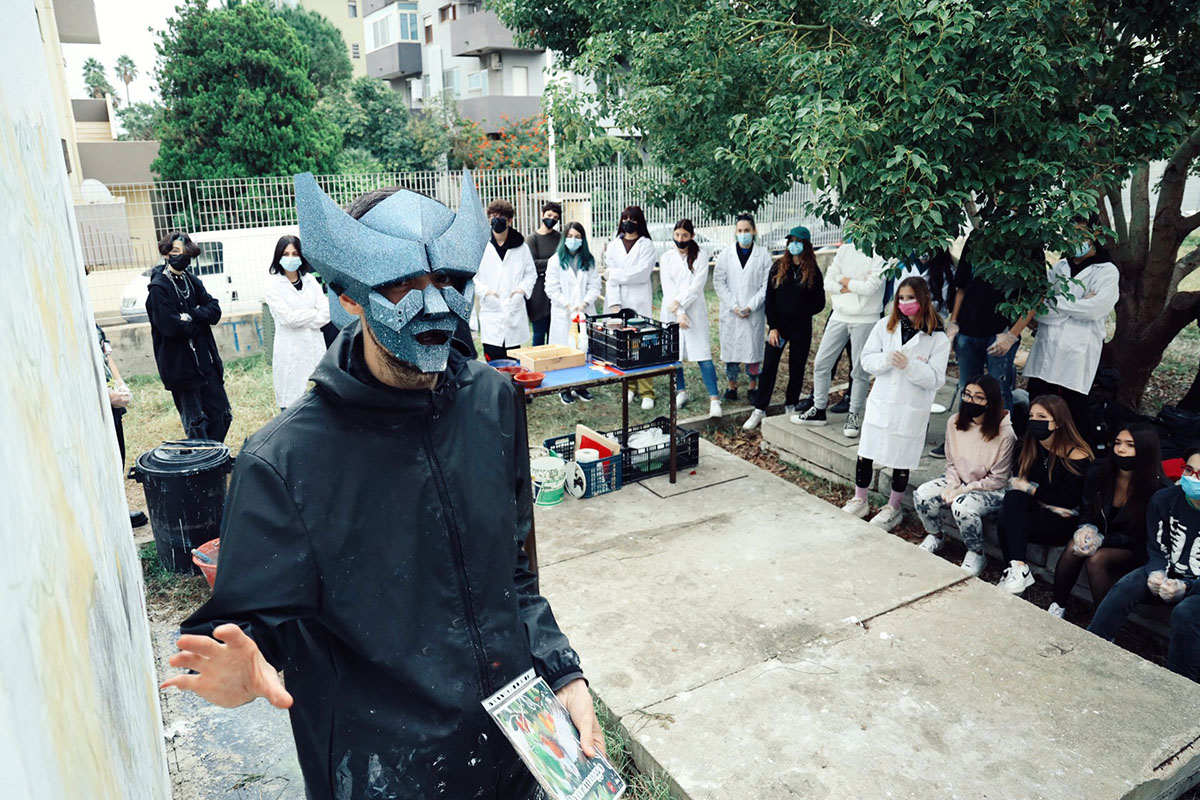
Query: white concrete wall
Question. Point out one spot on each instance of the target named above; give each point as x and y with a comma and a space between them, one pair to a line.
79, 713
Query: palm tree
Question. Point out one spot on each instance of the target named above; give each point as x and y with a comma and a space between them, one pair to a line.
127, 71
96, 79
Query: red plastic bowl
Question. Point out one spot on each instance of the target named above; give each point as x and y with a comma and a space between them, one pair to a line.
530, 380
511, 370
211, 549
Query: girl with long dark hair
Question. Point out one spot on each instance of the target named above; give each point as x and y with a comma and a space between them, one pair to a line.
300, 309
1111, 537
979, 446
1042, 501
683, 271
795, 294
573, 285
629, 263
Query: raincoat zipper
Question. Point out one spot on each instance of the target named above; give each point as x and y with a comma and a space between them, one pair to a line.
452, 533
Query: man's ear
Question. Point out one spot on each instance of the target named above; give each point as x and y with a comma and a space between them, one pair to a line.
351, 306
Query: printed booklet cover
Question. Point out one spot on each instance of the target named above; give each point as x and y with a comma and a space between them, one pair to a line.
541, 730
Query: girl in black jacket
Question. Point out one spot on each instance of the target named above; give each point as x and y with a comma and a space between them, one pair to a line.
795, 294
1111, 537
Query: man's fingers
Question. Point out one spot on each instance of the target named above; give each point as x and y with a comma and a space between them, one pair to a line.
186, 660
203, 645
278, 696
184, 682
600, 744
232, 635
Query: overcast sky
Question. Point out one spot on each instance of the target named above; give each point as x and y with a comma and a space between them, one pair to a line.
123, 30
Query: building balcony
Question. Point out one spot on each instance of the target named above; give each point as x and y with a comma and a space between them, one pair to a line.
76, 21
399, 60
487, 111
481, 33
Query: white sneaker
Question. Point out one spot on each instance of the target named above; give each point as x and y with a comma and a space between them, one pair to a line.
857, 508
1017, 578
789, 410
974, 563
756, 416
1056, 610
647, 403
630, 395
888, 517
852, 427
681, 398
714, 409
932, 543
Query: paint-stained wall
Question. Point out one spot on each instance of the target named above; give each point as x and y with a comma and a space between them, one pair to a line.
79, 713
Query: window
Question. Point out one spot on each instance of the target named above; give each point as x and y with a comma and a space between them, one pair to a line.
352, 9
451, 83
211, 260
354, 50
382, 32
477, 82
428, 22
520, 81
447, 13
426, 90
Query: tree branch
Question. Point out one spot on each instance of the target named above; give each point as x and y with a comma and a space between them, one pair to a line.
1190, 223
1184, 267
1119, 222
1174, 179
1139, 209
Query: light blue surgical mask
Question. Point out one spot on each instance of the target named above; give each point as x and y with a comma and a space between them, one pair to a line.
573, 244
795, 248
745, 239
1191, 487
290, 263
1083, 250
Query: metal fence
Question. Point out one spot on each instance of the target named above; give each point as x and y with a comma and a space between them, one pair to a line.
237, 222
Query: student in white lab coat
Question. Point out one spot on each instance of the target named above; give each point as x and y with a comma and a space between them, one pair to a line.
740, 281
683, 271
907, 353
573, 285
629, 263
300, 309
1070, 336
505, 280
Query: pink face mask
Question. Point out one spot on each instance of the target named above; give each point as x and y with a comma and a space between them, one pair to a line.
909, 307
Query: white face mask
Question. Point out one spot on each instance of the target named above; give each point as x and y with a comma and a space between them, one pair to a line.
290, 263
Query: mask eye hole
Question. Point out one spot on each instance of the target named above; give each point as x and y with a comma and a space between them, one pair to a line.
441, 280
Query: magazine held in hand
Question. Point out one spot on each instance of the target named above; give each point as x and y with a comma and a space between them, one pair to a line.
542, 733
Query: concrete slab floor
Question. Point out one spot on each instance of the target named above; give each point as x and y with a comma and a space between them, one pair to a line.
759, 644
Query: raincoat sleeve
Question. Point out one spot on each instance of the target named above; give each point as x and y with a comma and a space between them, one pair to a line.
874, 359
930, 374
282, 313
553, 658
163, 313
1105, 285
693, 287
208, 308
267, 575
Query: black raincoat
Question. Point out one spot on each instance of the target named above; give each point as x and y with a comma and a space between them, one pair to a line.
372, 545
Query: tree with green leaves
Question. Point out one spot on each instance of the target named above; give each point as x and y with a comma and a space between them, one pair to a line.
1027, 115
95, 77
127, 71
375, 119
140, 121
329, 66
237, 98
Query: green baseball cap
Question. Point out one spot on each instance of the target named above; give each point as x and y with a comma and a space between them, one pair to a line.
800, 232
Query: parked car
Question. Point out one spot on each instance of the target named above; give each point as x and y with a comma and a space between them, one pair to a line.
232, 264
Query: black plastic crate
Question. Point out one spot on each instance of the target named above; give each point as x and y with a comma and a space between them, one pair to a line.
603, 476
630, 349
648, 462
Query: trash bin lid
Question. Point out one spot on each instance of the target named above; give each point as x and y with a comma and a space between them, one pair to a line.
183, 457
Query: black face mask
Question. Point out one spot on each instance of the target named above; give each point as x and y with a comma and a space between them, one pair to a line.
549, 222
499, 224
628, 226
1124, 462
1039, 429
971, 410
179, 261
682, 245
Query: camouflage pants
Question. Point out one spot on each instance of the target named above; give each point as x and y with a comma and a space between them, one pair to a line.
969, 510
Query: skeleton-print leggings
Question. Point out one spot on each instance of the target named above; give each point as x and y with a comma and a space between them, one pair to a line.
969, 510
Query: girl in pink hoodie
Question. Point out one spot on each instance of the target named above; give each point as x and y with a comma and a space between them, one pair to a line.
979, 448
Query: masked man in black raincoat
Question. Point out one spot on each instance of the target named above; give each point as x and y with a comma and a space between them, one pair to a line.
372, 546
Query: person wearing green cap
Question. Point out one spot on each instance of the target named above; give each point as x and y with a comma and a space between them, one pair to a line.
795, 294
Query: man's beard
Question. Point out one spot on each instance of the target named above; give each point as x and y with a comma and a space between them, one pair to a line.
404, 373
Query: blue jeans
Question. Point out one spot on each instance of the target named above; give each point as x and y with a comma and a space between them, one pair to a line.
1183, 655
541, 331
973, 361
708, 374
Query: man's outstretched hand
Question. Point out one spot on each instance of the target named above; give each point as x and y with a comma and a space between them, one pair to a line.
576, 698
232, 671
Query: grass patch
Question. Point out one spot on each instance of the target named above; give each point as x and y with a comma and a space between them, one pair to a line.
642, 785
170, 595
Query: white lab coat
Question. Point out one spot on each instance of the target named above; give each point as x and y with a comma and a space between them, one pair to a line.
898, 407
503, 321
743, 341
299, 343
1066, 350
682, 284
566, 289
628, 276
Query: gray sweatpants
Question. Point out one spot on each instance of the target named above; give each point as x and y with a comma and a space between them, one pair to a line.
969, 510
832, 344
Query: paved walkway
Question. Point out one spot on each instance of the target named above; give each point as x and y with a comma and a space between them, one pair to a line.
757, 643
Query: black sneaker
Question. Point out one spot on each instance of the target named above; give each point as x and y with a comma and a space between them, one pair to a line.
583, 394
752, 396
805, 404
731, 394
566, 398
939, 451
137, 519
841, 406
814, 416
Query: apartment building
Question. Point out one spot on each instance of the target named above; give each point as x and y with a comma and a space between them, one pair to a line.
423, 48
345, 16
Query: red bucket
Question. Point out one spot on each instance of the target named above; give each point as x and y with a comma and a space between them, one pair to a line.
210, 550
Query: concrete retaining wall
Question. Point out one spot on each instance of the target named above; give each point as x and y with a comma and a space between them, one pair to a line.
237, 336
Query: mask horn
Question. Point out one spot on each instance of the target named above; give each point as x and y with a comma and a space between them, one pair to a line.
460, 248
